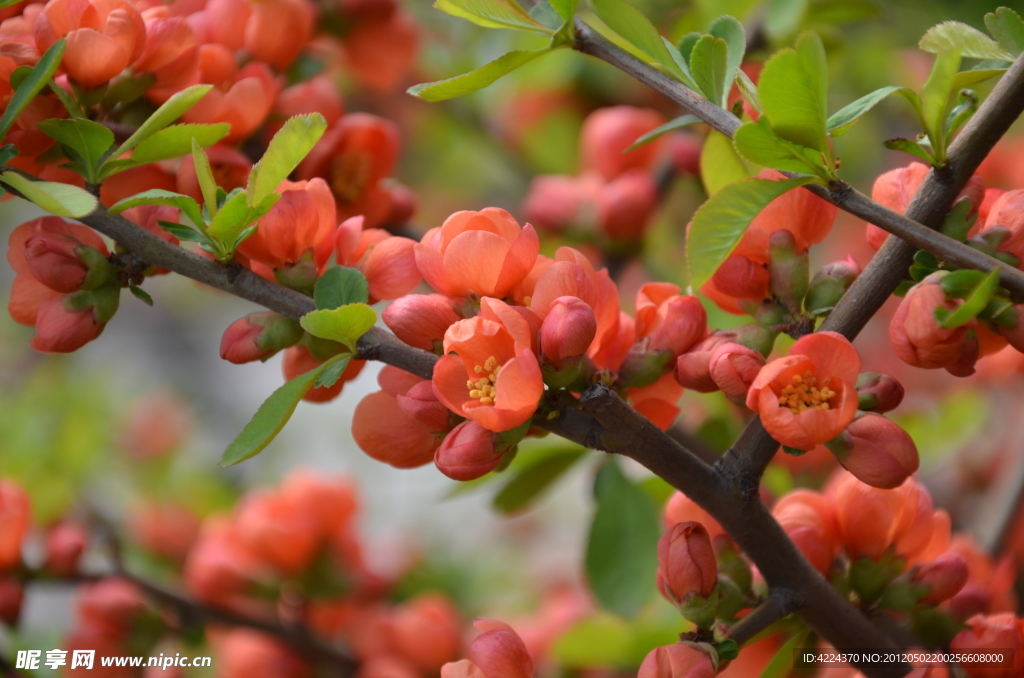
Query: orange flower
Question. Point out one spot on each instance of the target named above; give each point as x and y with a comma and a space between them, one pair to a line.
914, 332
485, 252
381, 49
809, 521
387, 261
607, 132
172, 52
808, 397
278, 30
316, 95
382, 429
300, 222
16, 515
103, 37
495, 379
354, 156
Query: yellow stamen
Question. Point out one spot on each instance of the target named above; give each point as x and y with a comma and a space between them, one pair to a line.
483, 389
803, 394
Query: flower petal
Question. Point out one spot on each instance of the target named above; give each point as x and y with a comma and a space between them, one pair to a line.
474, 260
519, 260
832, 353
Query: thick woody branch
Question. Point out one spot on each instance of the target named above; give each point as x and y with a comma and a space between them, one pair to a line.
779, 605
912, 229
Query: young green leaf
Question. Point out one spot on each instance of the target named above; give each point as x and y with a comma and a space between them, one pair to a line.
749, 90
340, 286
720, 165
756, 142
843, 119
176, 141
332, 374
204, 175
631, 24
720, 223
961, 283
729, 29
182, 232
531, 481
783, 17
230, 220
1007, 28
912, 147
171, 110
90, 140
935, 100
682, 62
953, 36
344, 324
273, 414
709, 66
286, 150
158, 196
492, 14
62, 200
793, 88
975, 76
474, 80
36, 80
973, 304
141, 294
565, 8
621, 558
686, 44
670, 126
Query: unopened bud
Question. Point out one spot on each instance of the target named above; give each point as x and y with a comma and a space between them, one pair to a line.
829, 285
687, 566
64, 264
499, 651
66, 323
568, 329
468, 452
421, 405
878, 392
625, 205
643, 368
970, 351
733, 368
65, 543
258, 336
1010, 325
944, 577
877, 451
788, 270
756, 337
680, 660
693, 368
421, 320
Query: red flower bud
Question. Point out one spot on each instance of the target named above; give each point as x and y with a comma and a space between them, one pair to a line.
11, 595
679, 660
944, 577
467, 452
556, 202
914, 333
420, 320
422, 407
499, 651
809, 521
693, 368
258, 336
668, 321
878, 451
742, 278
733, 369
686, 152
686, 563
53, 260
64, 545
64, 324
568, 329
110, 605
426, 631
626, 204
607, 132
878, 392
298, 360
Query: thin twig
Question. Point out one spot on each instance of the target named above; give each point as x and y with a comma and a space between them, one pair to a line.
779, 605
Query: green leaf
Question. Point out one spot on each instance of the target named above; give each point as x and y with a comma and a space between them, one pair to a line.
492, 14
332, 374
565, 8
670, 126
973, 304
793, 88
912, 147
843, 119
749, 90
62, 200
720, 165
273, 414
1007, 28
835, 12
532, 480
176, 141
756, 142
171, 110
231, 219
204, 176
729, 29
686, 44
953, 36
141, 294
474, 80
621, 558
340, 286
631, 24
709, 66
682, 62
782, 663
289, 146
90, 140
721, 221
935, 99
35, 81
158, 196
182, 232
344, 324
961, 283
783, 17
975, 76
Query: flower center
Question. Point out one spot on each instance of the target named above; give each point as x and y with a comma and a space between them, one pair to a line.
483, 388
803, 394
350, 173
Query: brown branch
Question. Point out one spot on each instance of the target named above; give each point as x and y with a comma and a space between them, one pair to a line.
779, 605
